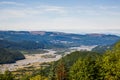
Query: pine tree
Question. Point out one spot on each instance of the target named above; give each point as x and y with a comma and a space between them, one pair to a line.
60, 71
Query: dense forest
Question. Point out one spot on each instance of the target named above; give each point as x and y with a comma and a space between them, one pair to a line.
10, 56
79, 65
102, 49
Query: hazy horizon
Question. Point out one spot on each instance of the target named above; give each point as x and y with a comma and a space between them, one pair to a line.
70, 16
68, 32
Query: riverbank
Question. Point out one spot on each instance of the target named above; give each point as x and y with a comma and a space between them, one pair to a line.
31, 60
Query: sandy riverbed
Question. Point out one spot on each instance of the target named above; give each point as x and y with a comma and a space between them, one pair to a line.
31, 59
37, 59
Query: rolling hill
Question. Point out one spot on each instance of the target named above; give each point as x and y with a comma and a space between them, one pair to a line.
46, 40
10, 56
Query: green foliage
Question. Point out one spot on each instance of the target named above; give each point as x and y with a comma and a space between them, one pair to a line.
7, 76
84, 69
106, 67
79, 65
25, 77
51, 75
62, 67
102, 49
38, 77
60, 71
9, 56
110, 69
71, 58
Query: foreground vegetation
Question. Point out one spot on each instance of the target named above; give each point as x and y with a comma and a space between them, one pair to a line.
82, 65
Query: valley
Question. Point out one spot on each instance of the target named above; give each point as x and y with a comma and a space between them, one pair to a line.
35, 60
31, 60
59, 39
27, 55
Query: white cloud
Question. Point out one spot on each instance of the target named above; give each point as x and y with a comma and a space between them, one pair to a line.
30, 11
11, 3
59, 10
107, 7
99, 10
11, 13
54, 9
76, 19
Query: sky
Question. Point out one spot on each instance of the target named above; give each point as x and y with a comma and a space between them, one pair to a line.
74, 16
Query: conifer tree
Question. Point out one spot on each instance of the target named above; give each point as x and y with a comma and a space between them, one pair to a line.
60, 71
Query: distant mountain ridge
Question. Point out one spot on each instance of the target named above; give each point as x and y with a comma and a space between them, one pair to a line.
43, 39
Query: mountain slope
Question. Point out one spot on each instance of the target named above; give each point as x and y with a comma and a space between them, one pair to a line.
42, 39
8, 56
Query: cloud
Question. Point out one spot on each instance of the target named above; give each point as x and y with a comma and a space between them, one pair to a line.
9, 13
11, 3
47, 10
30, 11
54, 9
107, 7
99, 10
47, 16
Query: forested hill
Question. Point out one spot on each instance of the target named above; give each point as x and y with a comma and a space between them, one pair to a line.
42, 39
79, 65
9, 56
86, 65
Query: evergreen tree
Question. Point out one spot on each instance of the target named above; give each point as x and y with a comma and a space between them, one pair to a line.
60, 71
110, 67
83, 69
